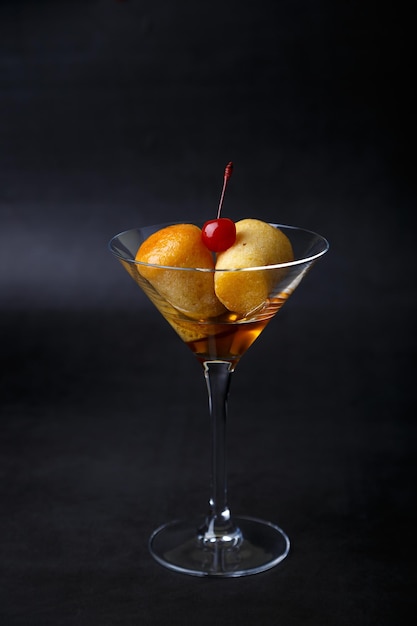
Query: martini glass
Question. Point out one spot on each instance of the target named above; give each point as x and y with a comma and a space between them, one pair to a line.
218, 543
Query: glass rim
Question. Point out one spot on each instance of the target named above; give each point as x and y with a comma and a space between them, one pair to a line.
288, 264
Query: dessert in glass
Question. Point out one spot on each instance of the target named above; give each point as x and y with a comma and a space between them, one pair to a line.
218, 292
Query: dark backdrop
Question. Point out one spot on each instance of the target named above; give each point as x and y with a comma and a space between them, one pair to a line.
116, 114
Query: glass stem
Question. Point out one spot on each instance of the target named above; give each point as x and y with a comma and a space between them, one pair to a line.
219, 526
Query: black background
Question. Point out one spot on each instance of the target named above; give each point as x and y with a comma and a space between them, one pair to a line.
120, 114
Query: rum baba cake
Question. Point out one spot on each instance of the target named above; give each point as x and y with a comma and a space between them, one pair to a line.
181, 245
257, 244
203, 295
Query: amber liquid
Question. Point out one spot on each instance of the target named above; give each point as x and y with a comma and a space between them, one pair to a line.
225, 338
228, 343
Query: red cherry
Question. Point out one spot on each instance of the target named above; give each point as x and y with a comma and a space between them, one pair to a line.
218, 235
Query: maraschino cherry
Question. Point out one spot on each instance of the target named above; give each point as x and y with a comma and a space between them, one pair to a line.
220, 234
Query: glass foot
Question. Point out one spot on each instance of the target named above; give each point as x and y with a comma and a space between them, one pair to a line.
179, 546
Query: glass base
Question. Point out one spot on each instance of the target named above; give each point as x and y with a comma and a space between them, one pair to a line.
180, 547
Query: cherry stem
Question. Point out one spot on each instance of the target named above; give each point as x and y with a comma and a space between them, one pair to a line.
227, 175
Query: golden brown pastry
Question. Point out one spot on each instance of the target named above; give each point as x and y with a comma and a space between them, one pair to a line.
257, 244
180, 245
